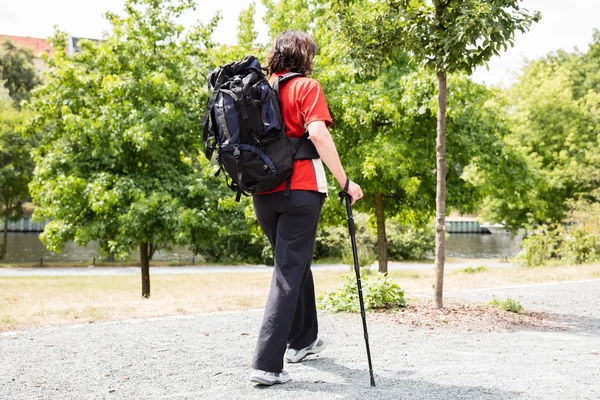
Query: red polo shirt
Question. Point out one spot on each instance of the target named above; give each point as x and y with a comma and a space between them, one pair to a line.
302, 102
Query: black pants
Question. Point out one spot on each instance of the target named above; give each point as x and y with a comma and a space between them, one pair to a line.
290, 316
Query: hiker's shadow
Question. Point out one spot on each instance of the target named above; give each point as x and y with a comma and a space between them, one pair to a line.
389, 385
577, 324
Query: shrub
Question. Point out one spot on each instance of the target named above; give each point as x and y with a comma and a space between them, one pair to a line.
379, 291
474, 270
554, 244
228, 235
334, 241
509, 304
541, 246
330, 241
366, 255
267, 254
405, 242
579, 247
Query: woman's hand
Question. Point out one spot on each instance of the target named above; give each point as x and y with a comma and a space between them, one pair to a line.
355, 192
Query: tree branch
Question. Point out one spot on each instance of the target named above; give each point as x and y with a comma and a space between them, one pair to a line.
439, 12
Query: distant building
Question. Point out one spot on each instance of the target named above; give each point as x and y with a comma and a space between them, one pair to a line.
42, 46
73, 44
37, 46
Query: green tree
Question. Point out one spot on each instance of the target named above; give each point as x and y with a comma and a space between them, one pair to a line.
446, 36
384, 114
383, 129
246, 41
247, 35
553, 111
16, 166
585, 72
17, 70
120, 134
230, 233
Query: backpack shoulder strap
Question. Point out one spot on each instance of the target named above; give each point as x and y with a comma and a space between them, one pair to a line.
284, 78
288, 76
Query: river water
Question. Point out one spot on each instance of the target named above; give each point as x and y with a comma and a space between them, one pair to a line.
27, 247
467, 245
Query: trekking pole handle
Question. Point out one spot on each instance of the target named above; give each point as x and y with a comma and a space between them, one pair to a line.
344, 195
344, 192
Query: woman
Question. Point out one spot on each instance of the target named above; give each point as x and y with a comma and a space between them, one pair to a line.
290, 222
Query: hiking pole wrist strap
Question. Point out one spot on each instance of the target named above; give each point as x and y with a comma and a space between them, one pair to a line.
344, 193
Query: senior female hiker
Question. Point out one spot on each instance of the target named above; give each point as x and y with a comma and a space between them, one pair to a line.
289, 216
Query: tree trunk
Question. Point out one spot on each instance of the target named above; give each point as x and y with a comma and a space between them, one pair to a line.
151, 250
145, 263
4, 236
381, 237
440, 200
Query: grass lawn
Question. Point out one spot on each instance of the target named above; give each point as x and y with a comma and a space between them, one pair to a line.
35, 301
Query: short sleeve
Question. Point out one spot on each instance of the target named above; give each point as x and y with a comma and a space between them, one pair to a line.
313, 105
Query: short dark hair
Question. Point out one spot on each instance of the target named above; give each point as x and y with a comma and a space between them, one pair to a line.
292, 51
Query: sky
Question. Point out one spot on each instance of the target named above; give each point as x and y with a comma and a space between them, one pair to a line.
566, 24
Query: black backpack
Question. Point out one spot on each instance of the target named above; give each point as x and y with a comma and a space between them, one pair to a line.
243, 122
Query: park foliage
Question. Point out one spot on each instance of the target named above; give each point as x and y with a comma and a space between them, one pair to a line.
379, 291
17, 72
120, 135
17, 79
509, 304
446, 37
114, 129
554, 121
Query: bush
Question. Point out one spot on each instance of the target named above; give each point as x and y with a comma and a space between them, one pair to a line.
334, 242
541, 246
474, 270
405, 242
579, 247
379, 291
366, 255
230, 233
267, 256
509, 304
555, 245
330, 241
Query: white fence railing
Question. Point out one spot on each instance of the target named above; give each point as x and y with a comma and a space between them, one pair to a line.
26, 225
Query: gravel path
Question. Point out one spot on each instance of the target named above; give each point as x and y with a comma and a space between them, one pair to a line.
207, 357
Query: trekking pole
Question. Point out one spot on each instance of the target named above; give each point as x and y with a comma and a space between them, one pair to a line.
345, 196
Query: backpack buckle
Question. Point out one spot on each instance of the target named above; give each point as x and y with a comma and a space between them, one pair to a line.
236, 152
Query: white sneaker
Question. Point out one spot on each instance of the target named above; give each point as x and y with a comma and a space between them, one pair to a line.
269, 378
294, 356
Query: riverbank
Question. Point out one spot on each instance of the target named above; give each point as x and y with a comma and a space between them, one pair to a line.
131, 268
53, 264
27, 248
30, 301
